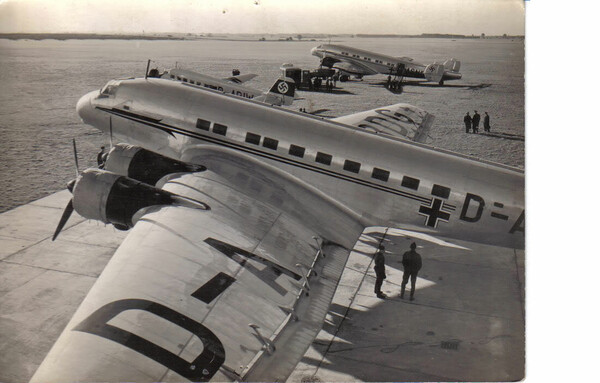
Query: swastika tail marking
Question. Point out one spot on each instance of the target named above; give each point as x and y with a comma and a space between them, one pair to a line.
282, 87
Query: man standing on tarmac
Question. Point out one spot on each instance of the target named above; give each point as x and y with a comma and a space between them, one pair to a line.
476, 118
467, 120
379, 271
411, 260
486, 122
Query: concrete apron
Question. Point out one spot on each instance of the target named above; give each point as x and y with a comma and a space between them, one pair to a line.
465, 324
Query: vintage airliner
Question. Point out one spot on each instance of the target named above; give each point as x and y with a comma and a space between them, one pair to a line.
359, 62
241, 218
231, 85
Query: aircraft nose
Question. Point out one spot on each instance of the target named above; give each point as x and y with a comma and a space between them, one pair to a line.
315, 52
84, 106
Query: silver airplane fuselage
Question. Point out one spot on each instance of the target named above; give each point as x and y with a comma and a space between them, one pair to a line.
224, 86
388, 181
370, 63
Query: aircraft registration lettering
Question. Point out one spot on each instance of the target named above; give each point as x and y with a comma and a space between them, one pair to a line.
473, 207
241, 94
465, 215
201, 369
519, 224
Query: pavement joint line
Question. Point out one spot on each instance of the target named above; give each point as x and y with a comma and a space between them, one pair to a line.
33, 203
25, 248
437, 377
23, 284
394, 346
469, 264
90, 244
408, 302
49, 269
349, 305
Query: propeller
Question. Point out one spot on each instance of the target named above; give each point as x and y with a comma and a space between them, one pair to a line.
70, 186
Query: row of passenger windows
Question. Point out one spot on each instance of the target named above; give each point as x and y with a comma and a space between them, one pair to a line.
322, 158
179, 78
367, 58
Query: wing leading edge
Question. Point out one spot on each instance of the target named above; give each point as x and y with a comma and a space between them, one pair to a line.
398, 120
237, 292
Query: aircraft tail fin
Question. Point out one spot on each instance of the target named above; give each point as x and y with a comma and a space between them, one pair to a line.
281, 93
452, 65
434, 72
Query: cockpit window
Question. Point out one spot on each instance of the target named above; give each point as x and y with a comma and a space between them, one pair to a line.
110, 89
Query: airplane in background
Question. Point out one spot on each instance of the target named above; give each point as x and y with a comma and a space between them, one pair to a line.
277, 95
242, 217
359, 62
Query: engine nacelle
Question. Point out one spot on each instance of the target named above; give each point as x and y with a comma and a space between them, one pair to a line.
144, 165
112, 198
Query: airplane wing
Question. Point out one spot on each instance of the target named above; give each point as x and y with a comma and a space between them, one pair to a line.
240, 79
235, 292
398, 120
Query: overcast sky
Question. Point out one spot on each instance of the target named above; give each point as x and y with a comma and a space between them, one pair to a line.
492, 17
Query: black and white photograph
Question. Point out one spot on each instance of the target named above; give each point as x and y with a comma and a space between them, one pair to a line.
262, 191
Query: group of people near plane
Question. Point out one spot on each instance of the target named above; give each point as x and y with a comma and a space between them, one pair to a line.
317, 83
411, 262
472, 123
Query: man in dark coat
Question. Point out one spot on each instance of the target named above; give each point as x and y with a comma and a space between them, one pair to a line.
476, 118
411, 260
379, 271
486, 122
467, 120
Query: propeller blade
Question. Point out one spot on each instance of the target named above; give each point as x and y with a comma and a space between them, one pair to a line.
76, 161
63, 220
71, 185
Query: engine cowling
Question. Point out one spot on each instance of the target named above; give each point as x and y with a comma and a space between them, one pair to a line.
115, 199
144, 165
